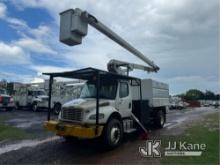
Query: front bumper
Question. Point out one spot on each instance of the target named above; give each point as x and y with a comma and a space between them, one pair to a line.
42, 104
9, 105
67, 129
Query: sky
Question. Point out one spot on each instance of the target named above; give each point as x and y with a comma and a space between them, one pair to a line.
180, 36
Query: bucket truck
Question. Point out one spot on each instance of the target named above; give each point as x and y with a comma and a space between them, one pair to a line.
111, 103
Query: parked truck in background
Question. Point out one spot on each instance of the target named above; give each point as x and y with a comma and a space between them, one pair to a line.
64, 92
177, 103
6, 101
35, 95
31, 97
111, 103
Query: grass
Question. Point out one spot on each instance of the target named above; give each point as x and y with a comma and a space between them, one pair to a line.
9, 132
206, 132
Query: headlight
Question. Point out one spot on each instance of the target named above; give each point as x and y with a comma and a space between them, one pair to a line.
88, 110
93, 117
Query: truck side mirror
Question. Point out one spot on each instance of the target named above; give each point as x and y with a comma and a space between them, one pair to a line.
72, 27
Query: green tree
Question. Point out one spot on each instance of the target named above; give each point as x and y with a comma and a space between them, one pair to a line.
217, 97
194, 94
209, 95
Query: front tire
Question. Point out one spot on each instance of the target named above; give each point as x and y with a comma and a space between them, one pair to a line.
34, 107
57, 108
113, 134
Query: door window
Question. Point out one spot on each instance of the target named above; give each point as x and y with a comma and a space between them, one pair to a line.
124, 91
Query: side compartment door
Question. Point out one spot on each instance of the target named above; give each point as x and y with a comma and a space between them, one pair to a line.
124, 102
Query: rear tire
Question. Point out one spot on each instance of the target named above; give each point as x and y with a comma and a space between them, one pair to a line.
113, 134
160, 119
17, 106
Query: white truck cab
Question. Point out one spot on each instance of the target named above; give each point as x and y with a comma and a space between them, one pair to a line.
114, 97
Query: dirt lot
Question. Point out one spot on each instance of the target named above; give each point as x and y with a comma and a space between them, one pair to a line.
42, 147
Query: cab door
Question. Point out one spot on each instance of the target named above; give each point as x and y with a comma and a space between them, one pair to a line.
29, 97
124, 101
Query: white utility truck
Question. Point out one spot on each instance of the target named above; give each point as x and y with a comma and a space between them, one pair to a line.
32, 97
112, 103
63, 92
35, 95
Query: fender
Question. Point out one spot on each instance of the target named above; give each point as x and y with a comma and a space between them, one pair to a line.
36, 100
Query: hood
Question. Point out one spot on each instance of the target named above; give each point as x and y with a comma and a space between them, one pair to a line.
4, 95
85, 103
42, 96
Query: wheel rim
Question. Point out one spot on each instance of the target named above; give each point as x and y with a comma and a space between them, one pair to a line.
35, 107
115, 134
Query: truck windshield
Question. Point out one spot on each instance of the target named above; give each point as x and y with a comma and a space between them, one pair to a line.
3, 92
107, 90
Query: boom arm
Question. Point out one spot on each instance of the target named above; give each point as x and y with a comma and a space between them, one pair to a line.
76, 21
116, 66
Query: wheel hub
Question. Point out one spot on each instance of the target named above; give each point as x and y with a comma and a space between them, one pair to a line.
35, 107
115, 134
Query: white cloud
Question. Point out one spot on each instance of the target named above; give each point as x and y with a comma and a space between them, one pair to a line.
181, 84
37, 80
34, 45
152, 26
16, 22
23, 78
3, 9
33, 39
180, 36
40, 32
47, 69
11, 54
30, 78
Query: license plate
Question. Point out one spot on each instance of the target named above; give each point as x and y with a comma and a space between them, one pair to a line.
60, 127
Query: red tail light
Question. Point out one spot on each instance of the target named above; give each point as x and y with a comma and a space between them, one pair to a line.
1, 99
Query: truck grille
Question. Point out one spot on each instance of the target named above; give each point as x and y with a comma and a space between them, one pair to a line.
6, 100
72, 114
